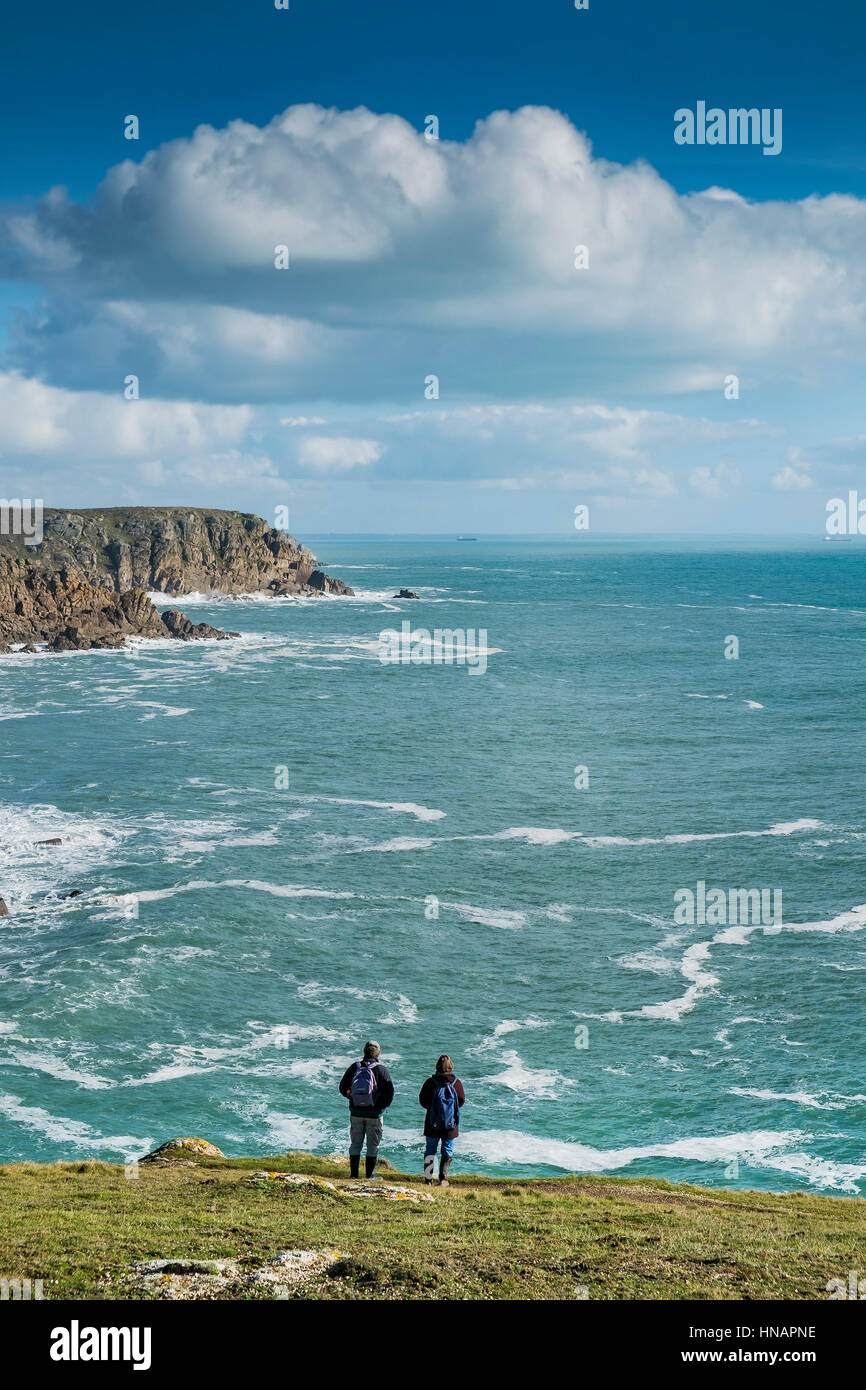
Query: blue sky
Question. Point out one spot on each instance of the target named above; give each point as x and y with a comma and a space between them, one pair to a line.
557, 386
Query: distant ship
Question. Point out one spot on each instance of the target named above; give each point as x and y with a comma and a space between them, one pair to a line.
467, 538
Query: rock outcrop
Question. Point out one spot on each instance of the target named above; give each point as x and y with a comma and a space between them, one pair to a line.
322, 583
86, 585
178, 625
188, 1147
69, 613
193, 1280
178, 550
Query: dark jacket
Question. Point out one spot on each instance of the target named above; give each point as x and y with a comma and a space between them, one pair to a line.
383, 1092
426, 1094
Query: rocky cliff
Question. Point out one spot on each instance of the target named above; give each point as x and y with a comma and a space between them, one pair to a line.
86, 584
178, 550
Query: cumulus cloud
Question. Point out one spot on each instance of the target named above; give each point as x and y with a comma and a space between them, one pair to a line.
715, 482
407, 253
38, 419
790, 479
408, 259
336, 454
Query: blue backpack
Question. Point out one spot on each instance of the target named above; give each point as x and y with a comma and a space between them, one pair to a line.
444, 1111
363, 1086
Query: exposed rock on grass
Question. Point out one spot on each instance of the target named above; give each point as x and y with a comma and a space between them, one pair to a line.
391, 1192
174, 1150
194, 1280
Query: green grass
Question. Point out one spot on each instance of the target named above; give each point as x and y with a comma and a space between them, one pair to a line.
75, 1224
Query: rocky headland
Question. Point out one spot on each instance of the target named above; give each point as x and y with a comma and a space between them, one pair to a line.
86, 585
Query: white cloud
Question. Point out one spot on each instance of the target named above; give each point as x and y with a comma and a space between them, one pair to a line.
715, 482
336, 454
790, 479
407, 252
38, 419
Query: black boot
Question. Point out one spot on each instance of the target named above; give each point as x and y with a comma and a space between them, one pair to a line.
354, 1165
370, 1167
444, 1165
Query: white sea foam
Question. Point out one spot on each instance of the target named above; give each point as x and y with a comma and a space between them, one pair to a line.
50, 1065
534, 835
538, 1083
757, 1148
701, 981
277, 890
554, 835
506, 918
74, 1133
408, 808
168, 711
512, 1146
281, 1132
399, 843
811, 1102
513, 1025
403, 1010
792, 827
190, 1060
30, 869
508, 1025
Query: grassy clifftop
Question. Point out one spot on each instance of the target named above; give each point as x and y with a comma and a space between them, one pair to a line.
79, 1226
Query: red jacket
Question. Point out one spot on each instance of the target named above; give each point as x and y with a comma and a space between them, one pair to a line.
425, 1097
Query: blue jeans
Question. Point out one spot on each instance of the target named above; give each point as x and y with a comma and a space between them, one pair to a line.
431, 1142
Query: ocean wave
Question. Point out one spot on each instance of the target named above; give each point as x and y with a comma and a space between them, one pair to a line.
537, 1083
811, 1102
399, 844
408, 808
757, 1148
30, 869
506, 918
125, 903
50, 1065
534, 835
783, 828
701, 981
553, 835
70, 1133
404, 1011
491, 1042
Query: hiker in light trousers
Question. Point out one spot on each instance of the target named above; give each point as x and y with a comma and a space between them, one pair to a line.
368, 1088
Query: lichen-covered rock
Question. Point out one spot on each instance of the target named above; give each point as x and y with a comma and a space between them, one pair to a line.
183, 1149
389, 1192
194, 1280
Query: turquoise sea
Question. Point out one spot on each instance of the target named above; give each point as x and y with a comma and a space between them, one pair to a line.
264, 831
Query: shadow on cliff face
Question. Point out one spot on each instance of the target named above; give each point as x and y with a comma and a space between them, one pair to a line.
86, 585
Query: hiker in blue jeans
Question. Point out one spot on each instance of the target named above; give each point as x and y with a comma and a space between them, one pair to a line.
442, 1095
